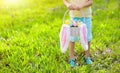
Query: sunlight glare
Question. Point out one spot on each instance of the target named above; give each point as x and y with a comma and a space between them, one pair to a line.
11, 2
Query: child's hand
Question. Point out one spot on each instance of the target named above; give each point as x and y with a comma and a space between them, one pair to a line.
71, 7
78, 7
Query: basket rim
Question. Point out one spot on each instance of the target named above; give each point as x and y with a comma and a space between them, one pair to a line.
63, 20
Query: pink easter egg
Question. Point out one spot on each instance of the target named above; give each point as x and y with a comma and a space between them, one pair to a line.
74, 23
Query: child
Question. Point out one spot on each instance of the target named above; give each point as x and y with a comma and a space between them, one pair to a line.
80, 10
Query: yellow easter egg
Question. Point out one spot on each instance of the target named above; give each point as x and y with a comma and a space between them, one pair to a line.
78, 23
67, 22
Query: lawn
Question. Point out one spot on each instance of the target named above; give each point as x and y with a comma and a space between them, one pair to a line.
29, 38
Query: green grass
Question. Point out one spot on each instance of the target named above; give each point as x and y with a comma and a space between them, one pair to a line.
29, 38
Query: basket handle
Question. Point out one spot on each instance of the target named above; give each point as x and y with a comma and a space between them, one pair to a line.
63, 20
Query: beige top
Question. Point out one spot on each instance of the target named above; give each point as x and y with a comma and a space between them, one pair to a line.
84, 12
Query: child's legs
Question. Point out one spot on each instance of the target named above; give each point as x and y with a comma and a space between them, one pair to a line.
72, 47
73, 39
88, 23
87, 52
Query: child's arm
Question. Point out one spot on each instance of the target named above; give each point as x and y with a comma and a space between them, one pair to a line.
88, 3
71, 7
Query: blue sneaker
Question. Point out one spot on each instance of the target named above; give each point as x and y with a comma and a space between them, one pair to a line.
88, 60
72, 63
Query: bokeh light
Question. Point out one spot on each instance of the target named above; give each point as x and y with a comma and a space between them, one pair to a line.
11, 2
14, 4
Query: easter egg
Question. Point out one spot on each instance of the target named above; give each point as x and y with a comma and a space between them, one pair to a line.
71, 24
67, 22
79, 23
74, 23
